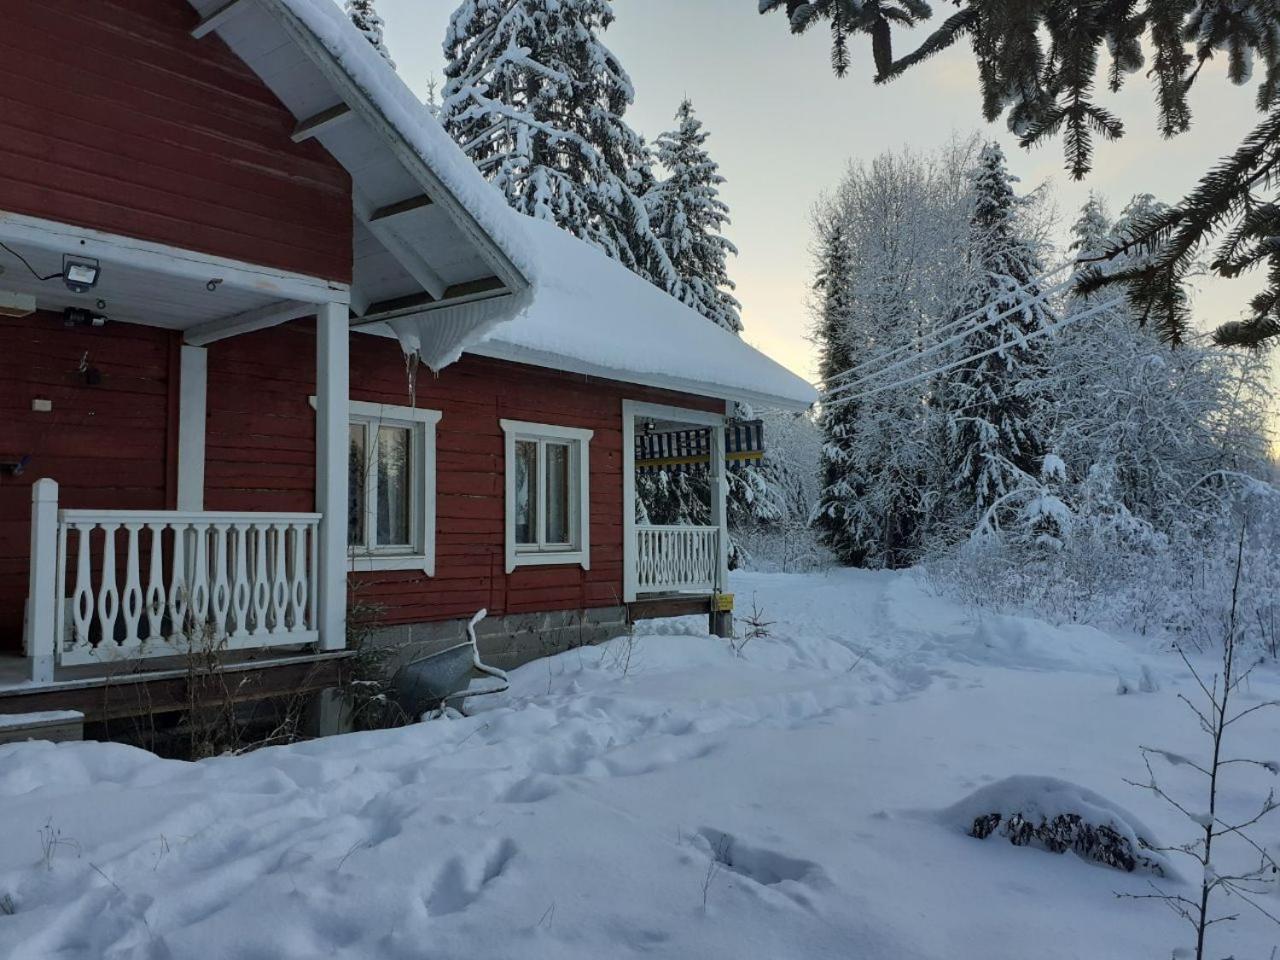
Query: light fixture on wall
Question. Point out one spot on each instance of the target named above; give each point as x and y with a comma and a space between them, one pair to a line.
80, 317
80, 274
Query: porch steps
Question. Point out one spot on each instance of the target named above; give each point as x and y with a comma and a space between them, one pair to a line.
55, 725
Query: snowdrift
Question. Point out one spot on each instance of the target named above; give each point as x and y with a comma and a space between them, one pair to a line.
1058, 816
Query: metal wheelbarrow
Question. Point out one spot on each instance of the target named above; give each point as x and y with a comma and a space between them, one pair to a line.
444, 679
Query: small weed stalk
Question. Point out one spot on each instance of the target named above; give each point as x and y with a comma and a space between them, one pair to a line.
51, 841
721, 851
619, 652
211, 713
1249, 883
368, 689
757, 628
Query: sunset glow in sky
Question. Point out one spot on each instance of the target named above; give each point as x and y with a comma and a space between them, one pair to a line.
783, 129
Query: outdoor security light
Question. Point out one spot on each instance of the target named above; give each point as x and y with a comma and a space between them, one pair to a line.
80, 274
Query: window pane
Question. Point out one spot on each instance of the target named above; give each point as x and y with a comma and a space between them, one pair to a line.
526, 492
356, 470
393, 486
558, 471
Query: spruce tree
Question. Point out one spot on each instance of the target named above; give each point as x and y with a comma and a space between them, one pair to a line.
367, 21
1038, 66
995, 445
689, 218
1092, 231
537, 101
833, 515
905, 223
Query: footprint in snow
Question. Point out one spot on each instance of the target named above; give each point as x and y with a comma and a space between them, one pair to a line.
530, 790
765, 868
464, 878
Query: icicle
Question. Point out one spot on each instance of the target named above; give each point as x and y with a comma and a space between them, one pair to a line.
411, 363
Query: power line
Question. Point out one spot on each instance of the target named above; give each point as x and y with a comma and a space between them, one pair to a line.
959, 321
952, 341
1043, 331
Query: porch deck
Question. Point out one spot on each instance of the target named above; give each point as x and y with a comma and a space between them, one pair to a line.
165, 685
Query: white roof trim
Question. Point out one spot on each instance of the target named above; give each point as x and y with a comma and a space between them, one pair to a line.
20, 230
514, 353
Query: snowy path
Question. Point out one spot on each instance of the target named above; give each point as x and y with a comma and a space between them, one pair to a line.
582, 817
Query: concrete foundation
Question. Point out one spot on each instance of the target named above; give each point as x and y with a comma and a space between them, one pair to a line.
505, 642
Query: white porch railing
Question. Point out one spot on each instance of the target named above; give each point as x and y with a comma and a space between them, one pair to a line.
677, 559
150, 584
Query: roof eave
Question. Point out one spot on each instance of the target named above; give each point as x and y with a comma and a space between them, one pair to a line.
513, 353
360, 102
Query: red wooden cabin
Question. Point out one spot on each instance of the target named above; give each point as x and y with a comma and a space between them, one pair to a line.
269, 343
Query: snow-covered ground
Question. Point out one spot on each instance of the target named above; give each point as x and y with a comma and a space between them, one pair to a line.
660, 796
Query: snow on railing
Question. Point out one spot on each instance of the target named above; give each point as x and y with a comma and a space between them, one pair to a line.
677, 558
148, 584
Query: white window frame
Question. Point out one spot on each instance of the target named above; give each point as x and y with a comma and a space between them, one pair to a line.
579, 552
421, 424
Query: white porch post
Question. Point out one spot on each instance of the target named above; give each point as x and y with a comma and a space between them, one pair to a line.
38, 638
720, 504
193, 384
630, 584
721, 620
332, 439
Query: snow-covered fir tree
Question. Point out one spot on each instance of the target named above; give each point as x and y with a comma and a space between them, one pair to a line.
689, 218
367, 21
1141, 425
902, 220
537, 101
995, 444
841, 489
432, 100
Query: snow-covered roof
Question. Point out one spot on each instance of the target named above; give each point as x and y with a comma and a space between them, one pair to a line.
560, 303
591, 315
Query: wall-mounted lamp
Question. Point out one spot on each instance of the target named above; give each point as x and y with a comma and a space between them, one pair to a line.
80, 317
80, 274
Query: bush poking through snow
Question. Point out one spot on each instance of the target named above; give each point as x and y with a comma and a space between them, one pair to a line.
1068, 831
1059, 816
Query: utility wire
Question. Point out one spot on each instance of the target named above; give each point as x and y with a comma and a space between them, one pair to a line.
960, 321
1043, 331
951, 341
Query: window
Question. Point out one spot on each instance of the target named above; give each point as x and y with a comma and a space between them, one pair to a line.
547, 472
391, 487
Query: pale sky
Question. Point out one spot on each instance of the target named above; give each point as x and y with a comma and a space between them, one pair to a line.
783, 129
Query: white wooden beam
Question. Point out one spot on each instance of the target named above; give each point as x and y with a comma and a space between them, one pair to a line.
39, 638
324, 120
20, 230
398, 247
630, 575
216, 19
720, 504
413, 162
332, 438
193, 392
486, 288
259, 318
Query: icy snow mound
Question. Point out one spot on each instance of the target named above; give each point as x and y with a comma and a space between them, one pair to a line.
1058, 816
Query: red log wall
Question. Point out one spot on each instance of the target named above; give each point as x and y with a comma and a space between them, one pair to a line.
113, 445
113, 117
261, 455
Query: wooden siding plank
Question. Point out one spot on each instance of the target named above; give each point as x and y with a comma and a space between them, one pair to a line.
148, 133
